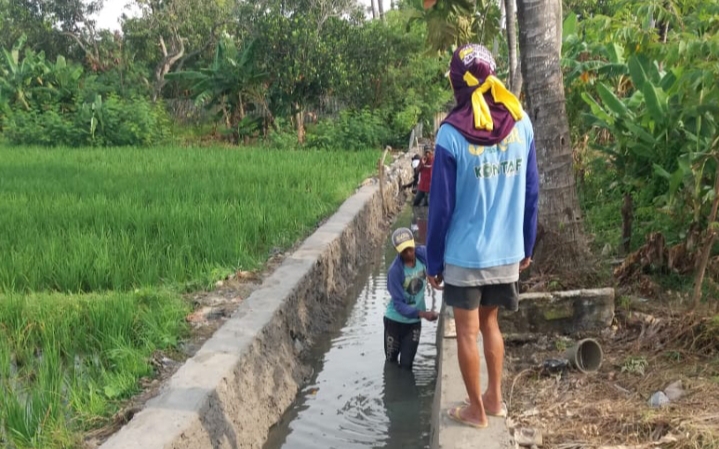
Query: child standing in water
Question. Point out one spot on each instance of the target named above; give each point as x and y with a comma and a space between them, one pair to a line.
406, 282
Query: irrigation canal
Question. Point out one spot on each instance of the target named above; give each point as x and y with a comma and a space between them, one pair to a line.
354, 400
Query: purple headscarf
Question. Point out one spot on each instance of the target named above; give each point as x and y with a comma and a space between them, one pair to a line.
478, 61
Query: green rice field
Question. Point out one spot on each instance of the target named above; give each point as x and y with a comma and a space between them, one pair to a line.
90, 220
97, 246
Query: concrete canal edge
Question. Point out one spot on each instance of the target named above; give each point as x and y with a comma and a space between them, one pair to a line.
248, 373
581, 311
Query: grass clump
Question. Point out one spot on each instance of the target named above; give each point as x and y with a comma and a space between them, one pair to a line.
67, 361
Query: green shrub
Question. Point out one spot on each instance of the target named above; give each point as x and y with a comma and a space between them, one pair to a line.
284, 138
44, 128
120, 122
112, 122
350, 131
59, 104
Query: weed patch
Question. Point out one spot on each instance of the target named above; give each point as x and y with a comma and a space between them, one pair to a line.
67, 361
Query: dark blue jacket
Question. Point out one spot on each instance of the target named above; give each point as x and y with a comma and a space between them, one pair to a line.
395, 281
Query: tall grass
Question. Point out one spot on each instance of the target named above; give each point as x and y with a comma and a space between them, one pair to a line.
81, 220
66, 361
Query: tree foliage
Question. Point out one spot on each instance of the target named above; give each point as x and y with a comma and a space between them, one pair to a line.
254, 66
57, 103
645, 79
457, 22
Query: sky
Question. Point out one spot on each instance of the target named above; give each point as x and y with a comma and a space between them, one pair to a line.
109, 17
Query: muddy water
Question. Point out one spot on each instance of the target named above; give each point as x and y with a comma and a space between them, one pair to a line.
354, 400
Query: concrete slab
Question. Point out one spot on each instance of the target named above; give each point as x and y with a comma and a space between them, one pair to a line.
566, 312
243, 378
450, 392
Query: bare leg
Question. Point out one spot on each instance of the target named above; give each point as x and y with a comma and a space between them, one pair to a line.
494, 356
467, 323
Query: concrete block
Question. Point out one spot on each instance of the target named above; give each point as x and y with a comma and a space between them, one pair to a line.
567, 312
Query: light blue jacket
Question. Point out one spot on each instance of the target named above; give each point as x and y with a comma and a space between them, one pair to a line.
483, 211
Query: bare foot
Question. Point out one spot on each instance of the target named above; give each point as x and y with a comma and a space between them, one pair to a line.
466, 415
493, 406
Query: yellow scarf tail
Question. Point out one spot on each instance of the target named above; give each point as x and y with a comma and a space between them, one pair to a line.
500, 94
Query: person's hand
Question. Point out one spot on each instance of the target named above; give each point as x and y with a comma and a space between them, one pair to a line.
429, 316
436, 282
525, 263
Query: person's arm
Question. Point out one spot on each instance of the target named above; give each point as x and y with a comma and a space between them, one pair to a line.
441, 207
531, 202
396, 291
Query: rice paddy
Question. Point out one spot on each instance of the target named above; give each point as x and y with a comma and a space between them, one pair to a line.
97, 246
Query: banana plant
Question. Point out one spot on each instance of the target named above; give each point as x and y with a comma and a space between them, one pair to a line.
641, 126
229, 84
690, 188
65, 82
19, 75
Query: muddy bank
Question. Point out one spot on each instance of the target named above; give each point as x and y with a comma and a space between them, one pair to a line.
242, 379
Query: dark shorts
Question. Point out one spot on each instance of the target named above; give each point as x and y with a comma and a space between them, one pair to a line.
470, 298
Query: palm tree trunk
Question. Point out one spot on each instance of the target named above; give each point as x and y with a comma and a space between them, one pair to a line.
374, 9
380, 4
515, 75
561, 243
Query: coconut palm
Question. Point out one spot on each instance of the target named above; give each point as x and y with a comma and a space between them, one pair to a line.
540, 52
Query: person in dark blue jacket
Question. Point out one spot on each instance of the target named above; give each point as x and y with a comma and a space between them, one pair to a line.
406, 282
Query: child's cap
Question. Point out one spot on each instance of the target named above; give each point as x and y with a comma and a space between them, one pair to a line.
402, 239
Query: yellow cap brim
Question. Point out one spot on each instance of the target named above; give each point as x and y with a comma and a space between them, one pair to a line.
403, 246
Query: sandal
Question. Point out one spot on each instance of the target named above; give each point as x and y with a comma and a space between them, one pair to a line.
455, 414
502, 414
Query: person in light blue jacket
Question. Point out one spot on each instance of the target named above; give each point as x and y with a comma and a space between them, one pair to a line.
482, 219
406, 282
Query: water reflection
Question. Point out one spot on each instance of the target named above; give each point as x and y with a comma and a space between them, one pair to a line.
419, 224
401, 399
